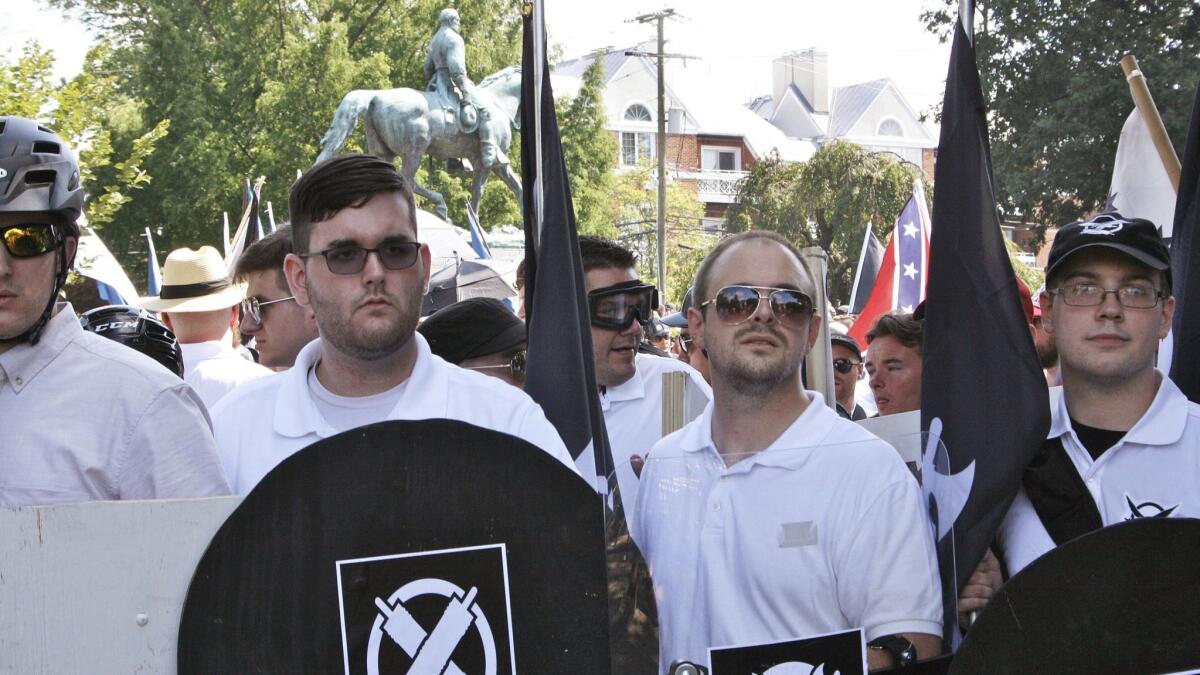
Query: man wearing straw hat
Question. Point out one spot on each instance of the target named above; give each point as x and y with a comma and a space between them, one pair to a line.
200, 305
83, 417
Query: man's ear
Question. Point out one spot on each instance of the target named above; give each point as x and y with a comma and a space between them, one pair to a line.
297, 278
425, 263
814, 332
72, 246
1046, 302
1167, 316
165, 317
695, 317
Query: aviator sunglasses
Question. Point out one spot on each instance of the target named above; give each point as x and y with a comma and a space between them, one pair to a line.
844, 366
253, 308
617, 306
736, 304
29, 240
350, 259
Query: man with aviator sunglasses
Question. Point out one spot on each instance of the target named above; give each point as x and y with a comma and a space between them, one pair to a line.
279, 325
358, 265
770, 494
84, 417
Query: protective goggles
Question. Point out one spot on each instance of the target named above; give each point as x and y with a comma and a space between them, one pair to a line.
617, 306
736, 304
516, 366
30, 240
350, 259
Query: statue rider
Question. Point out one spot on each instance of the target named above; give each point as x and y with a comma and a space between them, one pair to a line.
445, 65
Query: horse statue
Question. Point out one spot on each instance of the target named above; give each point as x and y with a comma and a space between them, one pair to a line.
410, 123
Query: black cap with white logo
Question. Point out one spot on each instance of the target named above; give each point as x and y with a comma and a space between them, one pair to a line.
1137, 238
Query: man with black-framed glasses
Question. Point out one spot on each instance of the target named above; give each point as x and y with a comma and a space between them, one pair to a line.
770, 517
279, 325
1124, 441
83, 417
358, 265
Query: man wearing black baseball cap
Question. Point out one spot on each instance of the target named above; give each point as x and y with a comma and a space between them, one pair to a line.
684, 348
847, 371
1124, 441
479, 334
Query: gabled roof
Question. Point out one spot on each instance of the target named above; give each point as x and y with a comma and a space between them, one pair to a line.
614, 58
851, 103
763, 106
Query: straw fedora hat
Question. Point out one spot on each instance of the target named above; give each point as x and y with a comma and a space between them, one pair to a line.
195, 281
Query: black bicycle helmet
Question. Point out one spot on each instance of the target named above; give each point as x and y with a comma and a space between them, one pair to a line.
40, 174
135, 327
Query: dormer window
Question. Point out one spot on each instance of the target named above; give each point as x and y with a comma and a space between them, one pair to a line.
638, 113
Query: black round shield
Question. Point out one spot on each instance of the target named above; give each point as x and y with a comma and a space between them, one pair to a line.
1122, 599
431, 546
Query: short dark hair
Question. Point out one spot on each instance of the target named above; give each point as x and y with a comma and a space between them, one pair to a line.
907, 330
346, 181
700, 287
599, 253
266, 255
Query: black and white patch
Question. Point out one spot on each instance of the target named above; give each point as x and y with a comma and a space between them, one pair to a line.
841, 653
427, 613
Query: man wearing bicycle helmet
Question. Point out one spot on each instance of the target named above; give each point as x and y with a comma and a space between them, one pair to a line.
83, 418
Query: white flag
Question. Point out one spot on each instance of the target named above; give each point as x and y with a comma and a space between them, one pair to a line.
1140, 187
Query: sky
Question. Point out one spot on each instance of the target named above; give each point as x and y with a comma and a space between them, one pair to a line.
736, 41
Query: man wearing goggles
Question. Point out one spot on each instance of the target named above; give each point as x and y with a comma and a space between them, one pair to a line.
720, 497
630, 383
84, 417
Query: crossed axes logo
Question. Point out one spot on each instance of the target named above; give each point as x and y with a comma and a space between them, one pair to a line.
431, 651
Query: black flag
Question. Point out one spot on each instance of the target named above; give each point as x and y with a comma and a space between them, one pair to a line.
869, 260
981, 376
1185, 357
561, 375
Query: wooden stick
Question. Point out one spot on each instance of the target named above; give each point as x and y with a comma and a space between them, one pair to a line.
1145, 105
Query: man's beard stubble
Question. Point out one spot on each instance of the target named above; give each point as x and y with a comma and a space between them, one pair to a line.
335, 325
755, 379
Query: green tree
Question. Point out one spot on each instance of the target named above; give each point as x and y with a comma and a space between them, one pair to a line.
1057, 97
109, 174
250, 88
590, 151
825, 202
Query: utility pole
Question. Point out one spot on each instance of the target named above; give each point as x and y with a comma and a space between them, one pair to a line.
658, 18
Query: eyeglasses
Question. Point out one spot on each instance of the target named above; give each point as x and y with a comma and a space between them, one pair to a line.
1091, 295
617, 306
736, 304
844, 366
516, 365
29, 240
252, 308
684, 342
394, 255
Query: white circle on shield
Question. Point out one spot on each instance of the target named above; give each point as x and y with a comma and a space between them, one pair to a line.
430, 649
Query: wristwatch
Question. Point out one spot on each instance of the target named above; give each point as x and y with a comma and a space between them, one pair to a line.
904, 652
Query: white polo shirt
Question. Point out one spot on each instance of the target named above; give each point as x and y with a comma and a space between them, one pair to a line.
633, 417
83, 417
1154, 471
263, 422
215, 369
822, 531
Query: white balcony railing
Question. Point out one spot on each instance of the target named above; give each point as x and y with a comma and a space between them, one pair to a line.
715, 186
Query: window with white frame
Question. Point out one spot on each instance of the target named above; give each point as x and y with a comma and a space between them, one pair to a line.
716, 158
638, 113
636, 147
889, 127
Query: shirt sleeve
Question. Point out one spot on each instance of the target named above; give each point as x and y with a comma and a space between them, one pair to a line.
1022, 536
888, 580
169, 450
535, 428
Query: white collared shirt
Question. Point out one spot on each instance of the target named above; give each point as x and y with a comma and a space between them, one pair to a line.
1153, 471
214, 369
85, 418
264, 422
822, 531
633, 417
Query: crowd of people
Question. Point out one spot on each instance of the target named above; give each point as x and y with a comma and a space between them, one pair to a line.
771, 516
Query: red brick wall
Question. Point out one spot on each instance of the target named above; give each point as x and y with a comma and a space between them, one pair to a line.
928, 162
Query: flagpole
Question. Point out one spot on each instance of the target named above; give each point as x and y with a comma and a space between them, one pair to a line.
539, 61
1145, 105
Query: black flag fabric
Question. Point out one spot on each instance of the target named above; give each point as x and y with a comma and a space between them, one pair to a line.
1185, 356
560, 376
869, 260
981, 382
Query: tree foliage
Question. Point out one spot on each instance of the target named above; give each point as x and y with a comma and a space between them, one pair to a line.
826, 202
111, 145
1057, 96
250, 88
590, 152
